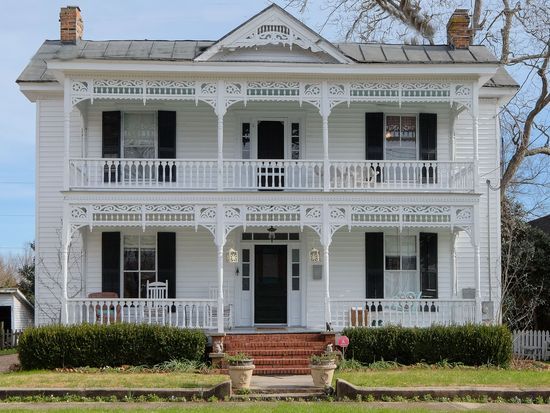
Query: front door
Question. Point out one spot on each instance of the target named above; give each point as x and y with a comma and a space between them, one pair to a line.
271, 145
270, 294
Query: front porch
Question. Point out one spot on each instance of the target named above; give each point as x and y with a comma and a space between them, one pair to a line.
286, 266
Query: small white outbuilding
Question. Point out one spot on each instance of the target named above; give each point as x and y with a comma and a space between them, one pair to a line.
16, 311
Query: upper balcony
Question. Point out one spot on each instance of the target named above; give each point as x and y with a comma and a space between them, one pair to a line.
269, 175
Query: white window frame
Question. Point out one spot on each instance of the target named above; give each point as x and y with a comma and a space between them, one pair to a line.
287, 118
401, 270
122, 135
416, 115
123, 271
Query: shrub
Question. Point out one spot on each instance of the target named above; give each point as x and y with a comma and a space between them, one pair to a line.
58, 346
471, 345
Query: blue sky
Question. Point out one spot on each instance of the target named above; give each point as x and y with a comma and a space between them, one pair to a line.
24, 24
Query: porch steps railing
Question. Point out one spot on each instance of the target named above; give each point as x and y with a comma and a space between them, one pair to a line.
403, 312
185, 313
251, 175
532, 344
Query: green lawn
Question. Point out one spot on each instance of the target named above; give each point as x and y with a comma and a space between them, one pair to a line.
422, 376
8, 351
46, 379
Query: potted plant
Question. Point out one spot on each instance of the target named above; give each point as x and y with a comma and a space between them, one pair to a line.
322, 369
240, 370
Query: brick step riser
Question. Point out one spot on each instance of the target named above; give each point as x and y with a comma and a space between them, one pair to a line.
276, 342
276, 371
278, 353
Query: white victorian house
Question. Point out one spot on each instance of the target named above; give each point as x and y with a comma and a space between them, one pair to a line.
269, 178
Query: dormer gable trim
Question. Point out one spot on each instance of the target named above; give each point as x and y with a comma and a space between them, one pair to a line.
273, 26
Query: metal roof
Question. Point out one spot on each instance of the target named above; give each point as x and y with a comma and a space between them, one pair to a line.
187, 50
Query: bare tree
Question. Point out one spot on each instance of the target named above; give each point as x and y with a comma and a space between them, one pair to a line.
50, 282
524, 287
518, 34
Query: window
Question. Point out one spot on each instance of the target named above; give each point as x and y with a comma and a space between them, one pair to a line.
139, 264
246, 270
295, 270
400, 137
295, 141
245, 141
401, 275
400, 252
139, 135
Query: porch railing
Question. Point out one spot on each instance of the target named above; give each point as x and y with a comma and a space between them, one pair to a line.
403, 312
185, 313
445, 175
252, 175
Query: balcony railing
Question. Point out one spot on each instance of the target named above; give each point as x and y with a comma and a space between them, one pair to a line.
403, 312
185, 313
272, 175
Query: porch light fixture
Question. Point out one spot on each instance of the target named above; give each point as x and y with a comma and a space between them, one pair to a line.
314, 255
232, 256
271, 231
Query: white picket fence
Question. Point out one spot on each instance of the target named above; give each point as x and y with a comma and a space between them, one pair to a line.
532, 344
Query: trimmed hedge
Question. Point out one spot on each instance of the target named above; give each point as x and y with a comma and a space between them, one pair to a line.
56, 346
471, 345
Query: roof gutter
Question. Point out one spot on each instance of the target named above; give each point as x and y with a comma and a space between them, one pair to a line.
216, 68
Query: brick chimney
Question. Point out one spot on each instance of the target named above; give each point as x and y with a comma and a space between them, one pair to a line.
71, 24
459, 34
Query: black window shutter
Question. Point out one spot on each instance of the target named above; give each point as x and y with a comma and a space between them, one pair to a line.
110, 262
167, 143
428, 264
111, 143
166, 258
374, 259
374, 136
427, 133
111, 134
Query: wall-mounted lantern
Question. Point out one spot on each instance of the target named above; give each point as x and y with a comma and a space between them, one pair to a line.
314, 255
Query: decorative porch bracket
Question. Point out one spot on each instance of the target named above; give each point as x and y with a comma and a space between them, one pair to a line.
220, 219
227, 93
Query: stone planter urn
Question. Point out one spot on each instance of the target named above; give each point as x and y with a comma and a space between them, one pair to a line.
322, 370
240, 369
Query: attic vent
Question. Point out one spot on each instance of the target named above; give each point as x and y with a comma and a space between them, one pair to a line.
274, 28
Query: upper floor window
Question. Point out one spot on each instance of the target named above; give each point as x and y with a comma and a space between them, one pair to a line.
400, 137
139, 135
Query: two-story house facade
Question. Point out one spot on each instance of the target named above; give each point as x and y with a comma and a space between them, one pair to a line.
269, 178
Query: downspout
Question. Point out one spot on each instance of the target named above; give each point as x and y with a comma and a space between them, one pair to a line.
489, 255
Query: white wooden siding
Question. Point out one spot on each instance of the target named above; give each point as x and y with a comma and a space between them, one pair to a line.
488, 169
196, 138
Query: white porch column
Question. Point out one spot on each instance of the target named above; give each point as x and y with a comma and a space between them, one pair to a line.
220, 112
325, 112
220, 242
65, 241
67, 109
326, 240
454, 274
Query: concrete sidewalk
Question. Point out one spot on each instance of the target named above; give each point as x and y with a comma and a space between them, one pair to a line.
272, 406
282, 382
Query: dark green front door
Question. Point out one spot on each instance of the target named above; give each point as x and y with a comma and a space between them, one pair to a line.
270, 299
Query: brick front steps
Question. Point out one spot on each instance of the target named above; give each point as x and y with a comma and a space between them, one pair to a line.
278, 353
